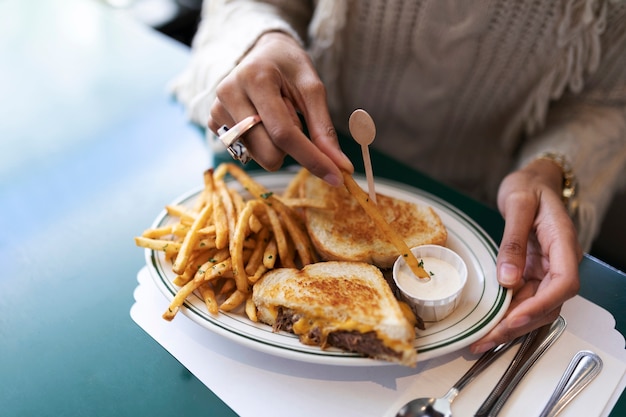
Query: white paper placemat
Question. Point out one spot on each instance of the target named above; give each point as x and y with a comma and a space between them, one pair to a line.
257, 384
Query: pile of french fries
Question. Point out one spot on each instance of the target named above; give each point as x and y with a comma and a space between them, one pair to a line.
223, 244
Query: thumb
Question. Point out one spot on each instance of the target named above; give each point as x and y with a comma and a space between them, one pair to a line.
512, 254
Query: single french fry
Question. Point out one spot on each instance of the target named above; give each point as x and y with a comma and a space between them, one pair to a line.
374, 213
253, 187
181, 212
291, 249
208, 296
213, 269
205, 195
205, 244
208, 230
179, 299
256, 257
234, 300
182, 279
255, 224
250, 309
163, 245
256, 275
238, 201
180, 229
190, 240
236, 247
229, 207
158, 232
221, 170
220, 220
270, 254
176, 210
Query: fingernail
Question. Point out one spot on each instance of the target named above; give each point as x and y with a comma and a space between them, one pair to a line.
519, 322
333, 180
347, 161
507, 274
482, 348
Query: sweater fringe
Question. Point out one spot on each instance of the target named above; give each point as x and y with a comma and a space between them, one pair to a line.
579, 34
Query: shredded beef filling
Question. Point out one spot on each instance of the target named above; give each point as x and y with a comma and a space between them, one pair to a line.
352, 341
285, 320
365, 343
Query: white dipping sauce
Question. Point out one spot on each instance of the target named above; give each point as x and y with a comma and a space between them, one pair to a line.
444, 281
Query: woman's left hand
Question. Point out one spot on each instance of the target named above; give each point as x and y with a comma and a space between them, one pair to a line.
539, 253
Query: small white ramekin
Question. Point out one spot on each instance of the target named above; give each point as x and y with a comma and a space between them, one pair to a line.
431, 310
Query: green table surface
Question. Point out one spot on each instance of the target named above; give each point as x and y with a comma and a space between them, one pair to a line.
91, 148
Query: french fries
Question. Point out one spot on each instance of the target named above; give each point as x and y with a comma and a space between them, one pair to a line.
375, 214
227, 239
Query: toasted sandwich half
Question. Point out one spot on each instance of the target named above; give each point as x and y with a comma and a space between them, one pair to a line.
348, 234
347, 305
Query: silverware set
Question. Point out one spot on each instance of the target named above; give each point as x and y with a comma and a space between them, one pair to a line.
583, 368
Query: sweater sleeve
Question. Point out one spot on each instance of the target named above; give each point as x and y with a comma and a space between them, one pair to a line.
227, 30
589, 129
593, 140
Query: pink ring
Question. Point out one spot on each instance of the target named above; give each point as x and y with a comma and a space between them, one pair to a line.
231, 137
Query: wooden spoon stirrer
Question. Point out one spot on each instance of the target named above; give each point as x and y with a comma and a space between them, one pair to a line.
363, 130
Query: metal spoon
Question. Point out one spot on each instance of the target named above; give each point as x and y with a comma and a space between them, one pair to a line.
440, 407
363, 130
582, 369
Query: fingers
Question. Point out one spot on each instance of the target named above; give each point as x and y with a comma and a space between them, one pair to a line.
284, 131
524, 315
312, 102
536, 303
538, 258
276, 81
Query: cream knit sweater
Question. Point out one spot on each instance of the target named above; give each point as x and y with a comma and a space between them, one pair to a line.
464, 90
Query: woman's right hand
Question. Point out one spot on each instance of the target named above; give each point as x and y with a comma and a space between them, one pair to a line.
276, 79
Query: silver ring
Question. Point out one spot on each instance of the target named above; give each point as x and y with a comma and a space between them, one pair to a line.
231, 138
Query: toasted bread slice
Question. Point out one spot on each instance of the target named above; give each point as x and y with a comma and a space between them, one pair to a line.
348, 305
347, 233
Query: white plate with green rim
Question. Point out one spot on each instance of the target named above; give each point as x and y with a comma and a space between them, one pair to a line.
483, 305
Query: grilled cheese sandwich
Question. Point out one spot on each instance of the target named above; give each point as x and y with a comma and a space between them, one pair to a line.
346, 305
347, 233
